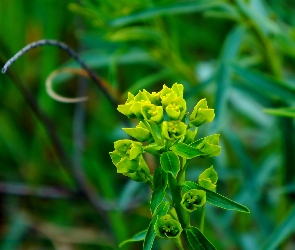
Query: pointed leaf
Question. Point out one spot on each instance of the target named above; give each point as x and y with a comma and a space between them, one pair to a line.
286, 112
153, 149
266, 85
151, 234
137, 237
170, 163
185, 151
175, 8
197, 240
215, 198
285, 229
160, 184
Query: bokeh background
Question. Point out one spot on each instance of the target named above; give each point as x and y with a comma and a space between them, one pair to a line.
58, 187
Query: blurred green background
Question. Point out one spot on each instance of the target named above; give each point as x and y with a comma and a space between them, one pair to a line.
58, 187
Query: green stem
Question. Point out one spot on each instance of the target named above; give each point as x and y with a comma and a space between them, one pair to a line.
182, 214
181, 175
152, 132
202, 218
270, 55
178, 243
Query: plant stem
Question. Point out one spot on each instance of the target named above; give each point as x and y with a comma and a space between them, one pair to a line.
202, 219
178, 243
152, 132
182, 214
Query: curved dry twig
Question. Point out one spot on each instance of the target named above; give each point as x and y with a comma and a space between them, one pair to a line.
109, 92
61, 98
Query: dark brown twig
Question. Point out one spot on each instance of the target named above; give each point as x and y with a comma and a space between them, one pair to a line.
103, 86
85, 188
43, 192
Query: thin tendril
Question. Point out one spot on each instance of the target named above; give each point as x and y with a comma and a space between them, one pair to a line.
102, 85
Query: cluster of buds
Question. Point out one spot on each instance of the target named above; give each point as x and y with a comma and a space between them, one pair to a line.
164, 124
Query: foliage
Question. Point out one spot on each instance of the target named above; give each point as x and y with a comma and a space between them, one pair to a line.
239, 54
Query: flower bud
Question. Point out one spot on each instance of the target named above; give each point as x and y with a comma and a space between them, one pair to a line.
201, 114
166, 227
154, 97
125, 109
208, 145
152, 113
208, 179
128, 148
140, 132
176, 108
178, 89
190, 136
136, 169
139, 100
167, 95
173, 130
193, 199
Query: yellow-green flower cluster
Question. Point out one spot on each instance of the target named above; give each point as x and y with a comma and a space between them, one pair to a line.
162, 117
128, 159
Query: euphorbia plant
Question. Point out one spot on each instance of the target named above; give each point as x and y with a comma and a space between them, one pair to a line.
167, 131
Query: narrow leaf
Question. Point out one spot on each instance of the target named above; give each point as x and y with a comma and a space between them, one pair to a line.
170, 163
160, 184
177, 8
151, 234
185, 151
197, 240
153, 149
137, 237
224, 75
265, 84
282, 232
286, 112
216, 199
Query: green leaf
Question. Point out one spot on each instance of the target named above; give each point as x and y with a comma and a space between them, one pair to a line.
139, 134
170, 163
230, 50
160, 184
151, 234
197, 240
266, 85
185, 151
137, 237
286, 112
153, 149
215, 198
282, 232
177, 8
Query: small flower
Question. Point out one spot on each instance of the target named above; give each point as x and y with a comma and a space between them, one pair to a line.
154, 97
166, 227
193, 199
176, 108
128, 148
153, 113
208, 179
125, 109
136, 169
167, 94
140, 132
190, 136
201, 114
140, 100
178, 89
208, 145
173, 130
